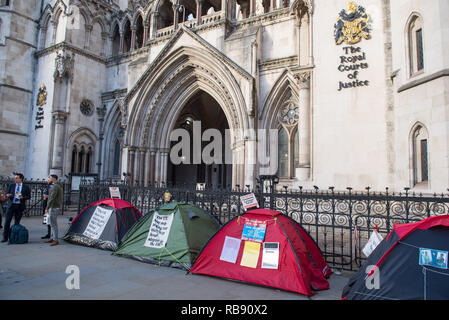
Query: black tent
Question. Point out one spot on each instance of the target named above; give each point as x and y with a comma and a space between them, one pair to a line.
410, 264
103, 224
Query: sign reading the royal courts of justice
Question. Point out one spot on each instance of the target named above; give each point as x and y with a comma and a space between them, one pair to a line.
351, 27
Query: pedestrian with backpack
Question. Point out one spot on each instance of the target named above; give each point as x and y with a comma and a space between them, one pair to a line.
54, 206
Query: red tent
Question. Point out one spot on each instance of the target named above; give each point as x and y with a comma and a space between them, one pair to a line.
267, 248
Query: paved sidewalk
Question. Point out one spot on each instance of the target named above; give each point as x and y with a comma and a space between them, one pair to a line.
37, 271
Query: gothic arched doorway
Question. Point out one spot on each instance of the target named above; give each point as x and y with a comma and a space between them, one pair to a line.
205, 163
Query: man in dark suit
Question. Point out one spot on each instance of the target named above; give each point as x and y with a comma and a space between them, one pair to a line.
17, 193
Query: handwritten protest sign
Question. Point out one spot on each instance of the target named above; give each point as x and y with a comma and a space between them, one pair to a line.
230, 249
115, 192
97, 222
249, 201
159, 231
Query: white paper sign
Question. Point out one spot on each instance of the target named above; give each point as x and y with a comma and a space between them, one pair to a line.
159, 231
270, 255
97, 222
249, 201
372, 243
230, 249
115, 192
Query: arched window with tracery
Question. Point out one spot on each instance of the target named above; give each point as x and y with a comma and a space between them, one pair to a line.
288, 139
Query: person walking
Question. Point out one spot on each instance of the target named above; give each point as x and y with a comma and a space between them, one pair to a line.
44, 206
17, 193
54, 205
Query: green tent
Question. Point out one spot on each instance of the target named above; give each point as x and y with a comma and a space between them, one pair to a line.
171, 235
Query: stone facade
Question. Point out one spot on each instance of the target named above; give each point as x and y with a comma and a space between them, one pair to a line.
120, 76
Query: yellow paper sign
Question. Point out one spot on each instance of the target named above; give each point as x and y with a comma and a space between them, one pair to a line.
250, 255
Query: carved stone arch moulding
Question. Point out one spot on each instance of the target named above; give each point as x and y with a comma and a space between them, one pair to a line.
149, 105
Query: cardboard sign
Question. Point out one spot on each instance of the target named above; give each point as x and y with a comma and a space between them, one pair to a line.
250, 255
433, 258
159, 231
249, 201
97, 222
115, 192
230, 249
270, 255
254, 230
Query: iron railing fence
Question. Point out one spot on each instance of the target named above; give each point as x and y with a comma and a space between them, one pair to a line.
339, 222
34, 206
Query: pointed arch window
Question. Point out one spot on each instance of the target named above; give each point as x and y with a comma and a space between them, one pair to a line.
116, 41
116, 166
420, 150
139, 33
415, 44
288, 139
127, 35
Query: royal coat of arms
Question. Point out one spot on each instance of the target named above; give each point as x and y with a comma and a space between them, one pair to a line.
353, 25
42, 96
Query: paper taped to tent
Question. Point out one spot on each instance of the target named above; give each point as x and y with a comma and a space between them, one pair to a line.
103, 224
171, 235
267, 248
411, 263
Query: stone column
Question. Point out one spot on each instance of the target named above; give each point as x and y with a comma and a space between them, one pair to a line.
131, 159
175, 16
152, 165
153, 24
252, 8
122, 42
238, 164
199, 10
133, 38
303, 172
142, 165
250, 160
58, 142
101, 112
145, 32
157, 167
147, 165
164, 165
137, 163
